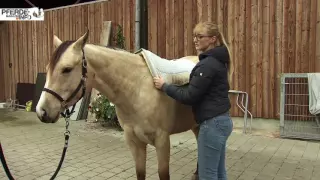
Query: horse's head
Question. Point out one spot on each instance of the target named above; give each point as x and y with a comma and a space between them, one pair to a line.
65, 81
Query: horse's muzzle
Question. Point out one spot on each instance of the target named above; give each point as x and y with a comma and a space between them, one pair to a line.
44, 117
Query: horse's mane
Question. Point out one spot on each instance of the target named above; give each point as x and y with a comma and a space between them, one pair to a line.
128, 53
113, 47
64, 46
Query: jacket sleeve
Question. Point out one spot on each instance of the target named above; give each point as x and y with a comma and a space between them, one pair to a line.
197, 87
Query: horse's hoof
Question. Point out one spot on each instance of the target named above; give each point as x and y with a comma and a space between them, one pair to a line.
195, 177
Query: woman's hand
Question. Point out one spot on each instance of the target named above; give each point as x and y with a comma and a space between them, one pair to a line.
158, 82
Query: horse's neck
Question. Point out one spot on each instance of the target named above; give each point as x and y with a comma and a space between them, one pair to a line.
116, 72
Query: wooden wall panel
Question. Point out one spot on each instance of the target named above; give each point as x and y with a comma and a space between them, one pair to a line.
29, 45
266, 38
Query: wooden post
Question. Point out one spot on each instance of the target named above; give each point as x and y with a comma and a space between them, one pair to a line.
105, 33
318, 39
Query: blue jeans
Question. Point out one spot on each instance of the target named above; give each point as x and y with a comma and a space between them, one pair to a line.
212, 139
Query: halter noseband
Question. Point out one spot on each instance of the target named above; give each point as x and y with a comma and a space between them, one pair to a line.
81, 84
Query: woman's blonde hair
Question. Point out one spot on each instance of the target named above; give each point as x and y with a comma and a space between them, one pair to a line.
212, 29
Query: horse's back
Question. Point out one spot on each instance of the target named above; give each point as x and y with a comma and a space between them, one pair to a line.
194, 59
174, 117
152, 109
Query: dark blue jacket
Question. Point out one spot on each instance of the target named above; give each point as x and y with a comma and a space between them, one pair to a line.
207, 91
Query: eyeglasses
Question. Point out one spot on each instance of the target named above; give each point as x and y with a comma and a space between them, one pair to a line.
200, 36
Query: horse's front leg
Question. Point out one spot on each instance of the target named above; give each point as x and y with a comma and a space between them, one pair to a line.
162, 145
195, 131
139, 152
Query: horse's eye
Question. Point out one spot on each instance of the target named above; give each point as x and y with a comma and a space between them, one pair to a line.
66, 70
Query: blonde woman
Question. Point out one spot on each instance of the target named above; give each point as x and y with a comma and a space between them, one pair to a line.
207, 93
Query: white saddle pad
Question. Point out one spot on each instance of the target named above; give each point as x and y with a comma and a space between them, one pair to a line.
174, 71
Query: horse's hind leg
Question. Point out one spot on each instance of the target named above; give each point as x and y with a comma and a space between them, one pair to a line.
162, 144
138, 151
195, 131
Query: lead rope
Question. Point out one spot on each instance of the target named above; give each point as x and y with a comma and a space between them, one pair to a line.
4, 164
66, 143
66, 137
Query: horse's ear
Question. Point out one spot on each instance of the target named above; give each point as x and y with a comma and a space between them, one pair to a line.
56, 41
79, 44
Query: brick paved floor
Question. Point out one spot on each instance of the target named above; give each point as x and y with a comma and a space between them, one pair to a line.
33, 150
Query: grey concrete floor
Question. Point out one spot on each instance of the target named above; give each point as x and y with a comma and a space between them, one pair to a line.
33, 150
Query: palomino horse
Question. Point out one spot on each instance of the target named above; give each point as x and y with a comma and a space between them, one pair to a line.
147, 115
